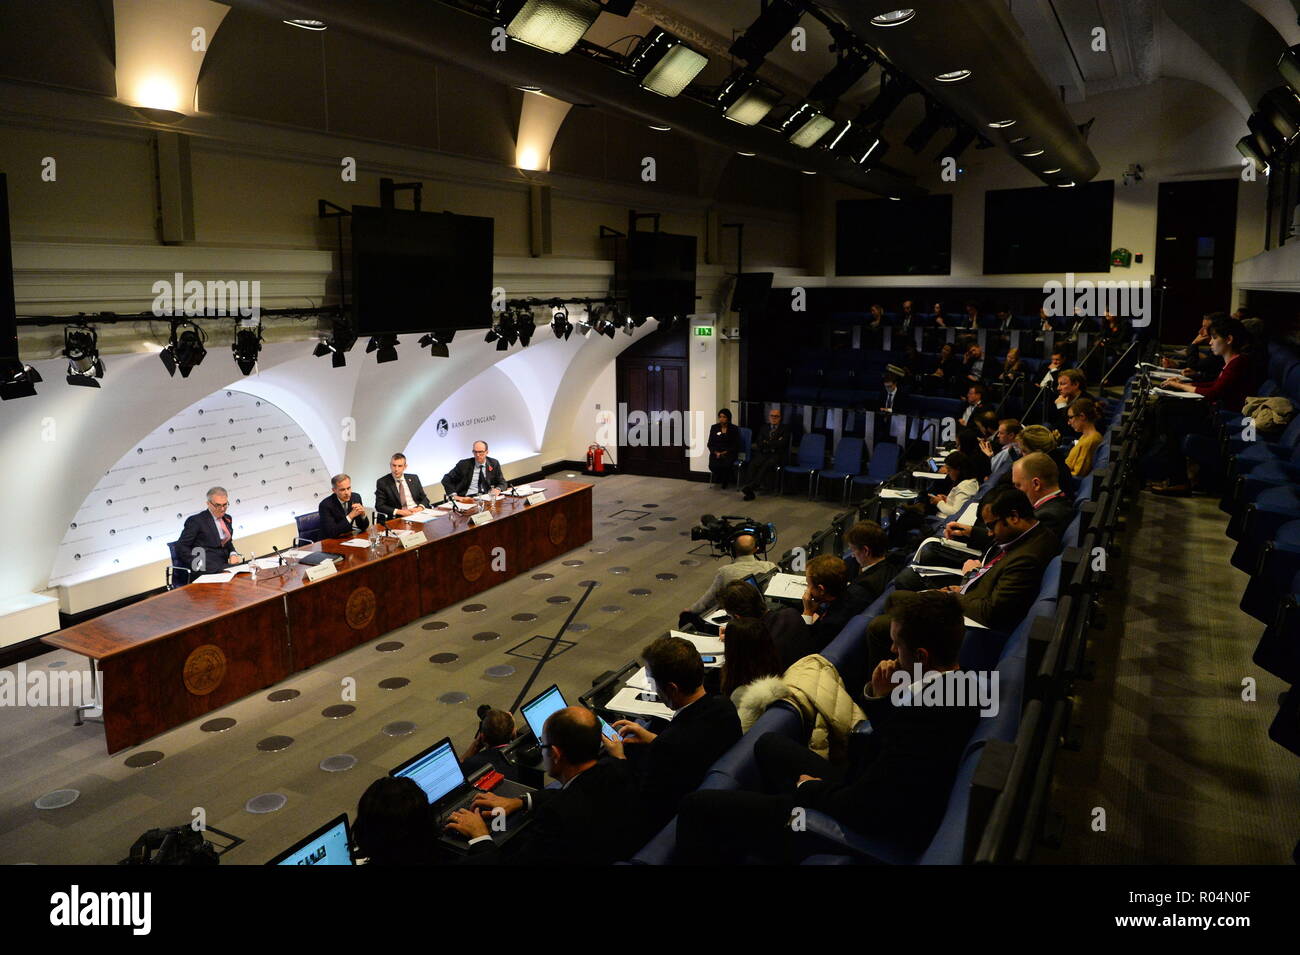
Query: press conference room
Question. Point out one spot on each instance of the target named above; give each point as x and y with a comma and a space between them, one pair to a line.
597, 432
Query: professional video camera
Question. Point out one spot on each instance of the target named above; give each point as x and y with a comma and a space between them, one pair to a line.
722, 532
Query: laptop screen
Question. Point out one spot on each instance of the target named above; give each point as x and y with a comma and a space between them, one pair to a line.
437, 771
537, 710
328, 845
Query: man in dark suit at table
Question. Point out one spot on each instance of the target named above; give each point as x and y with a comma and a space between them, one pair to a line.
207, 540
768, 452
476, 475
342, 514
398, 494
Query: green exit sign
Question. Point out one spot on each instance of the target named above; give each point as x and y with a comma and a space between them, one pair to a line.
704, 331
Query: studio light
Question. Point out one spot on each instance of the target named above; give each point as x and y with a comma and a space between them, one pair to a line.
1289, 67
806, 125
926, 129
959, 144
1247, 147
893, 90
436, 341
894, 18
340, 342
17, 380
747, 100
773, 25
665, 64
850, 68
525, 325
555, 26
384, 347
247, 346
81, 349
1281, 108
560, 323
184, 351
834, 143
1267, 139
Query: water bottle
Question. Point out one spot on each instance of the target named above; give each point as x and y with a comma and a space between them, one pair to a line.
252, 571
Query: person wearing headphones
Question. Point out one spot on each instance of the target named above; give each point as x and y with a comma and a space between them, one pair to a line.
744, 565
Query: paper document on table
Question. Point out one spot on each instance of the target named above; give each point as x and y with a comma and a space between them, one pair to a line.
897, 494
626, 701
243, 568
703, 642
523, 490
419, 517
930, 475
641, 680
970, 515
296, 554
718, 616
267, 563
1177, 394
928, 571
215, 578
974, 623
786, 587
356, 542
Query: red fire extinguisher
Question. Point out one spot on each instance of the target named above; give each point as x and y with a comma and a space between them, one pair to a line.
595, 459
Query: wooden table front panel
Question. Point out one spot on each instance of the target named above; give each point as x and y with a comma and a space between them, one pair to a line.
339, 612
164, 683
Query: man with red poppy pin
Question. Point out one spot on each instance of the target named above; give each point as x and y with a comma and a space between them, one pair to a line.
472, 476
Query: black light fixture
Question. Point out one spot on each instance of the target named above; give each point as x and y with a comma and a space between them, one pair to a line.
1289, 67
893, 90
437, 341
247, 345
184, 351
773, 25
852, 65
1267, 139
384, 347
806, 125
316, 26
17, 380
555, 26
935, 119
340, 342
745, 99
81, 349
894, 18
1281, 108
560, 323
665, 64
959, 144
525, 325
503, 331
1249, 149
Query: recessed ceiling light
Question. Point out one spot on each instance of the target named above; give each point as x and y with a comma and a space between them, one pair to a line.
1048, 172
1002, 124
954, 76
1036, 152
893, 18
809, 172
529, 89
661, 129
741, 152
1018, 139
1064, 185
316, 25
896, 198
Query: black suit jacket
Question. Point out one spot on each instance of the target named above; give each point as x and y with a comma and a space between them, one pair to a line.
334, 519
387, 499
838, 613
900, 785
793, 637
1002, 596
869, 584
595, 820
677, 761
456, 481
1055, 515
772, 441
200, 532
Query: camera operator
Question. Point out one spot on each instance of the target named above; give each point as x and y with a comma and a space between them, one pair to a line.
744, 564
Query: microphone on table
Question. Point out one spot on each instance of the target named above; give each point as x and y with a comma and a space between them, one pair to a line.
278, 555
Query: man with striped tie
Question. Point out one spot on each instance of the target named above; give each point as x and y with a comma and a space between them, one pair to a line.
206, 542
472, 476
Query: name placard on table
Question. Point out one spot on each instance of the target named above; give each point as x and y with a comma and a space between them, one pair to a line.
538, 498
482, 517
412, 539
323, 569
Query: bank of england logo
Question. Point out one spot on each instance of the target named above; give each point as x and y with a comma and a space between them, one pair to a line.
442, 427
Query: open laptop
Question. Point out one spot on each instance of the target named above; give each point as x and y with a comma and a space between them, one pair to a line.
537, 710
331, 844
437, 771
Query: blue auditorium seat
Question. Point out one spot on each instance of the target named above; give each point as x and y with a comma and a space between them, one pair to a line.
811, 458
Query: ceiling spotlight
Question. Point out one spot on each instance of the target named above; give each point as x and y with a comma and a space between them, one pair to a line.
384, 347
525, 325
184, 350
17, 380
340, 342
806, 125
1267, 139
315, 26
851, 66
1289, 67
953, 76
1002, 124
1018, 140
865, 148
934, 120
1050, 172
894, 18
848, 124
247, 345
560, 323
1036, 152
773, 25
664, 64
529, 89
555, 26
1065, 185
960, 143
436, 341
741, 152
1281, 107
893, 90
896, 198
81, 349
1247, 147
809, 172
747, 100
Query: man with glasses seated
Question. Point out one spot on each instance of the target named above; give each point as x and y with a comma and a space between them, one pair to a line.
767, 452
207, 540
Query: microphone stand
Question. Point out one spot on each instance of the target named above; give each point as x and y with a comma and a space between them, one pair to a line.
1119, 361
1041, 391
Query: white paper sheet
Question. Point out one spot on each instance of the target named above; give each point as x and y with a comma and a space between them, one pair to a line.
897, 494
703, 642
419, 517
625, 701
786, 587
215, 578
930, 475
1177, 394
356, 542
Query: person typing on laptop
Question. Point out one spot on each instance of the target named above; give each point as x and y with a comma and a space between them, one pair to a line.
594, 818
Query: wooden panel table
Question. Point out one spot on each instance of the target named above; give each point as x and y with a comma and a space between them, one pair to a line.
178, 655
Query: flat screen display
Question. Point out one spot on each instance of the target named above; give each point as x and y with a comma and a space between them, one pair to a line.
659, 274
1048, 229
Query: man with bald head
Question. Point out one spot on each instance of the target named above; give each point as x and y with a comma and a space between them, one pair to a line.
594, 818
474, 475
1038, 476
744, 565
